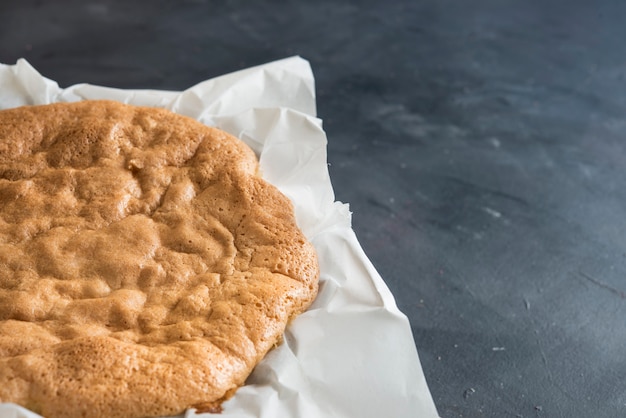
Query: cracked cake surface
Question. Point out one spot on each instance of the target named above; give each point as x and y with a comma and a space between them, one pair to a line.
145, 266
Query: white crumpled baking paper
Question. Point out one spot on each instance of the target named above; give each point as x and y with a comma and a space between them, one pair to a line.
352, 353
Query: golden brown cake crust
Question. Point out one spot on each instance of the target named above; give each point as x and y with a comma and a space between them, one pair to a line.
145, 267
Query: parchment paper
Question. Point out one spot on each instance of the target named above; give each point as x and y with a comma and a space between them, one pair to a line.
352, 353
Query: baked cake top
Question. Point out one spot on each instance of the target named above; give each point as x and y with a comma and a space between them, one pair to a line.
145, 266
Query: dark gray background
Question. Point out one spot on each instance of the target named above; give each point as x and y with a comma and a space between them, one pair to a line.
480, 145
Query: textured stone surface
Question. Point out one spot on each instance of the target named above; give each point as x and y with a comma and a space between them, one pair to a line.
479, 145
